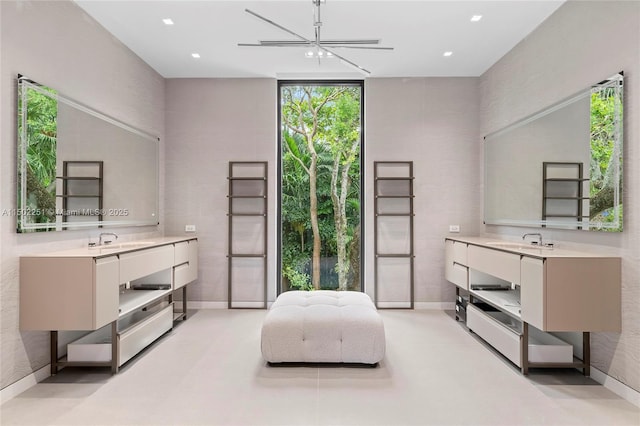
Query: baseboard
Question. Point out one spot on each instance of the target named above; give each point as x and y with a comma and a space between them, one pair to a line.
25, 383
207, 305
442, 306
616, 386
393, 305
248, 305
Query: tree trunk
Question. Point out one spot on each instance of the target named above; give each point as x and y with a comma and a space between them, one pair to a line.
602, 201
340, 210
354, 260
339, 219
313, 214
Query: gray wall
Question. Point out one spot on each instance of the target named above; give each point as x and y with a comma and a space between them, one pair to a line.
430, 121
209, 123
434, 123
57, 44
581, 44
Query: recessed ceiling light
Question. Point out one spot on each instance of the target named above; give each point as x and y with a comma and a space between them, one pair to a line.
448, 53
476, 18
167, 21
195, 55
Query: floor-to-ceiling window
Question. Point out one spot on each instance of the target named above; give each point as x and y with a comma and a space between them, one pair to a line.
320, 197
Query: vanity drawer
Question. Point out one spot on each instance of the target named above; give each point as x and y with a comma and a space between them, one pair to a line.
495, 262
501, 331
459, 252
96, 346
106, 300
456, 251
181, 275
497, 335
181, 253
459, 275
145, 262
141, 335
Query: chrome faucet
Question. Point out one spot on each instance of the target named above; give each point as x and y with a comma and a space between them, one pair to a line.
537, 234
105, 234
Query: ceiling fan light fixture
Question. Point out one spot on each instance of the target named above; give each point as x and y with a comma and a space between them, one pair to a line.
320, 45
310, 54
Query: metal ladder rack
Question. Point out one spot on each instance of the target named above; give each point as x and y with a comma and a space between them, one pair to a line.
247, 237
393, 234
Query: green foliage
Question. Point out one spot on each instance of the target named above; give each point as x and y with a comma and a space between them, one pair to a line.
337, 126
42, 112
606, 111
609, 216
297, 280
41, 132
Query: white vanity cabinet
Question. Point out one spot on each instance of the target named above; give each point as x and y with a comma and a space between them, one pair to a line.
514, 286
503, 265
68, 293
142, 263
121, 294
571, 294
455, 270
185, 263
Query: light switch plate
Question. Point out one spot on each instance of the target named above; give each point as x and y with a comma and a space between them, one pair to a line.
189, 228
454, 228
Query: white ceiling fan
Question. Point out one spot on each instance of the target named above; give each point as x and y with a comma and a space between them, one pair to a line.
323, 48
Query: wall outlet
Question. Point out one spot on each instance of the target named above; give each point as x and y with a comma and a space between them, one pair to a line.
454, 228
189, 228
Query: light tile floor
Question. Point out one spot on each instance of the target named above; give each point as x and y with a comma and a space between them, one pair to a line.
209, 371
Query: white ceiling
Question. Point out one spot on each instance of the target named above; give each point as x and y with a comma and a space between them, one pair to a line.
420, 32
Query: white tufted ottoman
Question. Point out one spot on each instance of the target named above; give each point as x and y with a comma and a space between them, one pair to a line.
323, 326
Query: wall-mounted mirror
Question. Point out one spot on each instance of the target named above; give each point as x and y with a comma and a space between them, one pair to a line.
78, 168
561, 167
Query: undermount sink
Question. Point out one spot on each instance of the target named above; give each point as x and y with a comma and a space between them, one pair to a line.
517, 246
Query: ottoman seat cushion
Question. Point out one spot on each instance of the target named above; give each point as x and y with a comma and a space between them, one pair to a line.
323, 326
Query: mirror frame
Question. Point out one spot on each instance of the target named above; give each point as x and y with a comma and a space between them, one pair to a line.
616, 82
24, 211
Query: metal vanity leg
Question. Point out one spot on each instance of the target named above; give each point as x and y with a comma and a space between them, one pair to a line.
524, 349
586, 353
184, 303
115, 347
53, 338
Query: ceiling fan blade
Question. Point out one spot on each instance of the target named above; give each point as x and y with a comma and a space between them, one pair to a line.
325, 42
358, 47
312, 44
269, 21
351, 41
274, 45
283, 43
345, 60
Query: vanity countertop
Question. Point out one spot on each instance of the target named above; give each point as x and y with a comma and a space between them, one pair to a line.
527, 249
115, 247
